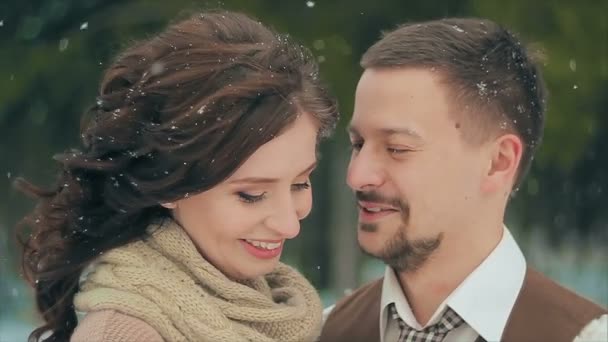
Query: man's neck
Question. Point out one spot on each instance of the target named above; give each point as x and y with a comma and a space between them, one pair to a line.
428, 287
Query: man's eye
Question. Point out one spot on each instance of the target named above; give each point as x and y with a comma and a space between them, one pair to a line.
356, 145
300, 186
398, 150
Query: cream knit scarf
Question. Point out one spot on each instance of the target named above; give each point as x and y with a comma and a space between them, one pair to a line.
165, 282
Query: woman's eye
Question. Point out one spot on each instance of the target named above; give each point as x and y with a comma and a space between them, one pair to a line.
251, 198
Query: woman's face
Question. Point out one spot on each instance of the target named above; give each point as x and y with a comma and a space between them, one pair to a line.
241, 224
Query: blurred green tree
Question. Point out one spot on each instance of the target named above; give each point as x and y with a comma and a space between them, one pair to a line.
52, 54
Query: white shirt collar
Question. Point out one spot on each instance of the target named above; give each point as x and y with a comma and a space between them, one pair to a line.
484, 299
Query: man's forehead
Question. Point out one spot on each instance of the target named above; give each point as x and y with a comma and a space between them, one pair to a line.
359, 129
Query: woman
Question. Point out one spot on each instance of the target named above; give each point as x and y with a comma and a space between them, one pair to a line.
195, 169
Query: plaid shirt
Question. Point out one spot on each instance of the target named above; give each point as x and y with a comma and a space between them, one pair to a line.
434, 333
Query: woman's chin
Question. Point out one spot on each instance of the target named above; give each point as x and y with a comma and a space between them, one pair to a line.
254, 271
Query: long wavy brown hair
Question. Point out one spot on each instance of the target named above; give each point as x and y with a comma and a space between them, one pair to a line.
176, 115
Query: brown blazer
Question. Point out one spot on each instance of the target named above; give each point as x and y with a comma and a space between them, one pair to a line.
543, 311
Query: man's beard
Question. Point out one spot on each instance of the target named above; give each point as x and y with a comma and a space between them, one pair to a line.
399, 253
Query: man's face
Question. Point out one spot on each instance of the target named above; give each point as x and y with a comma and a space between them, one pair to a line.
416, 180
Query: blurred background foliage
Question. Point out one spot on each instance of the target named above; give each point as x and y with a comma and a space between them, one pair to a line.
52, 54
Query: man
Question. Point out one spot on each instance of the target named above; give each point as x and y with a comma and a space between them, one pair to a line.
448, 115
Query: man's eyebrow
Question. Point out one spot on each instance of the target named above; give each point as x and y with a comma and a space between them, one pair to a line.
388, 131
401, 131
352, 130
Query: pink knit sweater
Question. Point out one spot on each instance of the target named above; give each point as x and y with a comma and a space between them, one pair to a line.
113, 326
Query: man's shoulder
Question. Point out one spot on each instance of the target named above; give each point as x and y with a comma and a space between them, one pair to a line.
555, 312
354, 317
545, 289
371, 290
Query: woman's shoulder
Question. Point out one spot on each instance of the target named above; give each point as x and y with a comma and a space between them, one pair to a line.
113, 326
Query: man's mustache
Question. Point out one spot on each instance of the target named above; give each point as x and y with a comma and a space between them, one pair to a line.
376, 197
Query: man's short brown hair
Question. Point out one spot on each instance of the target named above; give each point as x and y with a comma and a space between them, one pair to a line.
488, 72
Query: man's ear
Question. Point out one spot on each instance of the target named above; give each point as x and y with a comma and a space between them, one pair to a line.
503, 163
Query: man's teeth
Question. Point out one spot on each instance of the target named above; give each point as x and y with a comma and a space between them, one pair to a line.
264, 245
374, 210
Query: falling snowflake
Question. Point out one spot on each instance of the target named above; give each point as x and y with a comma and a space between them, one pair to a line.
319, 44
482, 86
572, 64
63, 44
157, 68
458, 29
